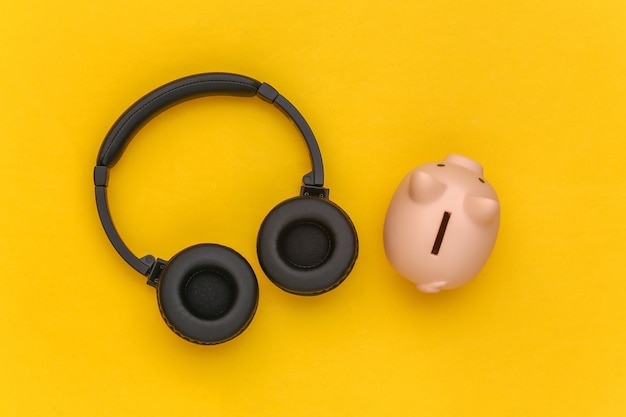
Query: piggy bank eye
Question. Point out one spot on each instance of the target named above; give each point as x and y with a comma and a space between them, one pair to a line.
441, 165
481, 180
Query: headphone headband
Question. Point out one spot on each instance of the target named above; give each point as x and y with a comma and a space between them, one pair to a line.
168, 95
202, 85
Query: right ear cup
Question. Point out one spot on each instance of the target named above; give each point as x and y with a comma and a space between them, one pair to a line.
307, 245
207, 294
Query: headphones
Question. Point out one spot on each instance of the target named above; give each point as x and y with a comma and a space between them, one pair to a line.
208, 293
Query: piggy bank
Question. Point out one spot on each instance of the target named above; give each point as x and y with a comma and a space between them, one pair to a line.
442, 224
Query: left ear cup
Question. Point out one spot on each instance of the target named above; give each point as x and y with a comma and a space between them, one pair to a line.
307, 245
207, 294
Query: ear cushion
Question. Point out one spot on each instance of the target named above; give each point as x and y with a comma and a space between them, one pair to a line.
207, 294
307, 245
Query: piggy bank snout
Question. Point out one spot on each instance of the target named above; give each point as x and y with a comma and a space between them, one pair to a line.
465, 162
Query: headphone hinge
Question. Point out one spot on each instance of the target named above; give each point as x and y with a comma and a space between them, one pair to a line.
155, 272
313, 191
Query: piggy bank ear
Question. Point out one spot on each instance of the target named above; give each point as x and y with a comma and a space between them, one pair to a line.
482, 210
424, 188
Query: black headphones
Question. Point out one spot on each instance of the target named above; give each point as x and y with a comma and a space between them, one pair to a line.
208, 293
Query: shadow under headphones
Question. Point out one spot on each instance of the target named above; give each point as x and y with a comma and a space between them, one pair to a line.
208, 293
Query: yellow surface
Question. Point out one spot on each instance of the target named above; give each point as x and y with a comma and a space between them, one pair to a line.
534, 90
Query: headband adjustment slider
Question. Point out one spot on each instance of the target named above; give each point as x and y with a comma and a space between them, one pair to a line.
267, 92
101, 175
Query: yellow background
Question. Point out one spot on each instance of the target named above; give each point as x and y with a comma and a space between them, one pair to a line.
535, 90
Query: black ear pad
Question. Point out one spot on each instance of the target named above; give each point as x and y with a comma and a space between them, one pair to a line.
207, 294
307, 245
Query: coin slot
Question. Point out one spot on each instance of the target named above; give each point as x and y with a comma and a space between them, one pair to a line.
441, 232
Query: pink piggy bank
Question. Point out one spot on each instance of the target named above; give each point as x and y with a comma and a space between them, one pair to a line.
442, 224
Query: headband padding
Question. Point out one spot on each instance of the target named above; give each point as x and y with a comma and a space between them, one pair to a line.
307, 245
207, 294
163, 98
